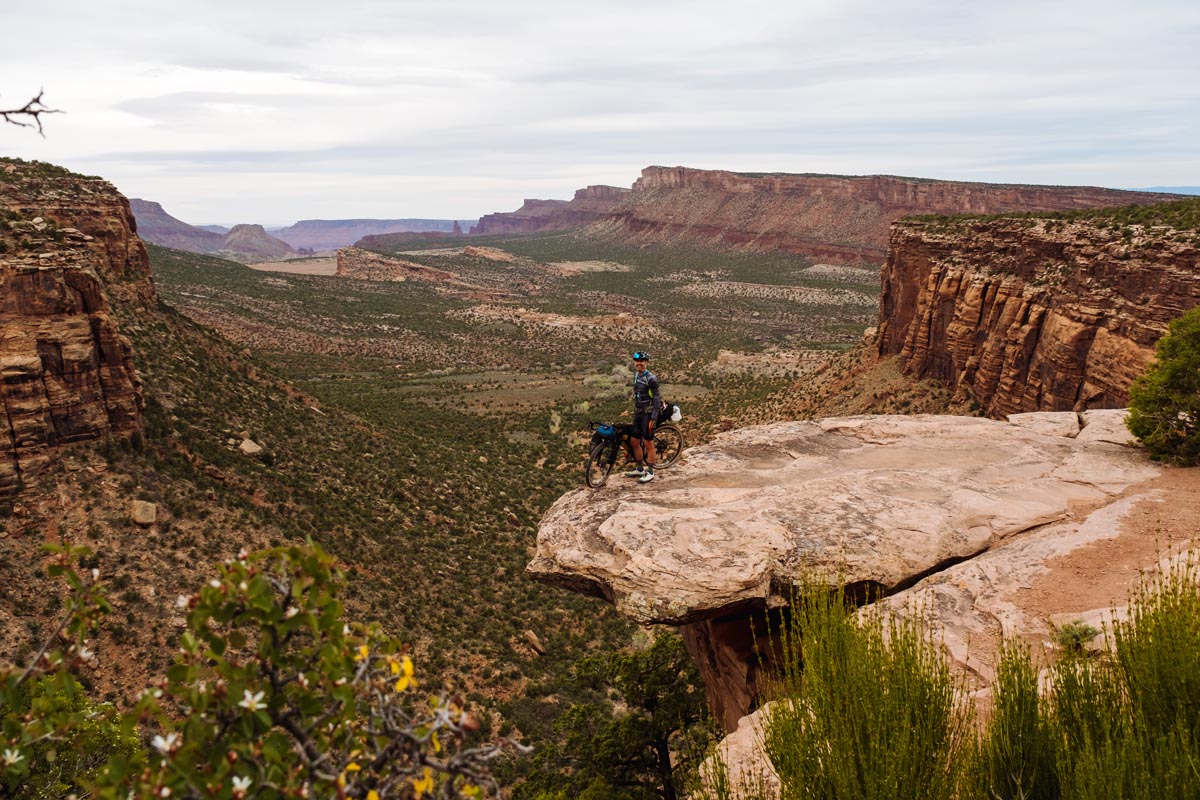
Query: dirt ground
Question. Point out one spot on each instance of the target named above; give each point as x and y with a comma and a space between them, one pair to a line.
1102, 574
318, 265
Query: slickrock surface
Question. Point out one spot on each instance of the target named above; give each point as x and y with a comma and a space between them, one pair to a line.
1031, 314
873, 502
588, 205
836, 218
66, 372
871, 499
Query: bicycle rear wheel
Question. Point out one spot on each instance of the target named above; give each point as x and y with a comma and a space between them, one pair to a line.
599, 464
668, 444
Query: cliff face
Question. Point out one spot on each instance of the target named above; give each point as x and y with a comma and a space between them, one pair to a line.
67, 245
588, 205
828, 217
1034, 314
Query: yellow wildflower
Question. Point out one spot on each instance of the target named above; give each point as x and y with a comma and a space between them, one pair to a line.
425, 784
364, 653
372, 795
405, 671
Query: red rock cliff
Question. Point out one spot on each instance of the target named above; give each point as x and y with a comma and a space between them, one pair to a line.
829, 217
67, 245
534, 216
1034, 314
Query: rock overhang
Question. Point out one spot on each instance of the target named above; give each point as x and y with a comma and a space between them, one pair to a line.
875, 500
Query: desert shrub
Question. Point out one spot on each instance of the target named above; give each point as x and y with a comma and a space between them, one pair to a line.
1164, 404
1126, 726
1014, 757
864, 710
273, 694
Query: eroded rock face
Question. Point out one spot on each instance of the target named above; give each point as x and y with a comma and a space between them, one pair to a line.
1033, 315
838, 218
66, 372
588, 205
876, 503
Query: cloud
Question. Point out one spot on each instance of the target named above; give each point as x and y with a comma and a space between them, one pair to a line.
278, 110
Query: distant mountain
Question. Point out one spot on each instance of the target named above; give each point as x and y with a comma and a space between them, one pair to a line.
221, 229
157, 226
244, 243
330, 234
253, 240
1172, 189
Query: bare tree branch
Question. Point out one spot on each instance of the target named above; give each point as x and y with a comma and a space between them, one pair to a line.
30, 114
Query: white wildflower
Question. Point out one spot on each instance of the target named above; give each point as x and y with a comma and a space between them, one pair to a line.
252, 702
182, 601
214, 583
12, 758
240, 787
166, 744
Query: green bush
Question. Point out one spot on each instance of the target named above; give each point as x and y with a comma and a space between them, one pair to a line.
865, 710
1164, 404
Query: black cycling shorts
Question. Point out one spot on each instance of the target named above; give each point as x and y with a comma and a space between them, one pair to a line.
643, 425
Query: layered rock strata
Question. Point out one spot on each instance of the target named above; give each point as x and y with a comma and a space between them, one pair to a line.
535, 216
715, 545
1034, 314
838, 218
66, 372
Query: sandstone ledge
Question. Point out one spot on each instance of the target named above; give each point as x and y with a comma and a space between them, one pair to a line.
874, 501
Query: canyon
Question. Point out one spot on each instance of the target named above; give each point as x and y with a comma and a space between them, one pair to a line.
1034, 314
66, 372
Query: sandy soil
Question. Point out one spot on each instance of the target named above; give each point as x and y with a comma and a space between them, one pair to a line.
1103, 573
318, 265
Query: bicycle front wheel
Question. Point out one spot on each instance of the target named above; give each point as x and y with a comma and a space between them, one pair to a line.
668, 444
599, 464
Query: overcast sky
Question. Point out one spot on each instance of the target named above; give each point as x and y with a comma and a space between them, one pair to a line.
260, 111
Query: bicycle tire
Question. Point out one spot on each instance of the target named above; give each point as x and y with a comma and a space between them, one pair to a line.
599, 464
668, 444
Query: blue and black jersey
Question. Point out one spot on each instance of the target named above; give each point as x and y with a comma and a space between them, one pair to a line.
645, 392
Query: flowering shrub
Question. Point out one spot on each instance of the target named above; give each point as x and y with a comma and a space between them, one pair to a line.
274, 695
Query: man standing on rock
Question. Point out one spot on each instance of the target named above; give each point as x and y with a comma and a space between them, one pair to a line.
646, 402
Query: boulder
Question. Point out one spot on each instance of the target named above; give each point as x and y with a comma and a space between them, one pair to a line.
249, 447
1106, 425
143, 513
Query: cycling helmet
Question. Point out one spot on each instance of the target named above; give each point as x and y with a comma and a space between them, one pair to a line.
640, 356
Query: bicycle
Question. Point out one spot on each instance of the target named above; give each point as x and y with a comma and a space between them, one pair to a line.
607, 441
